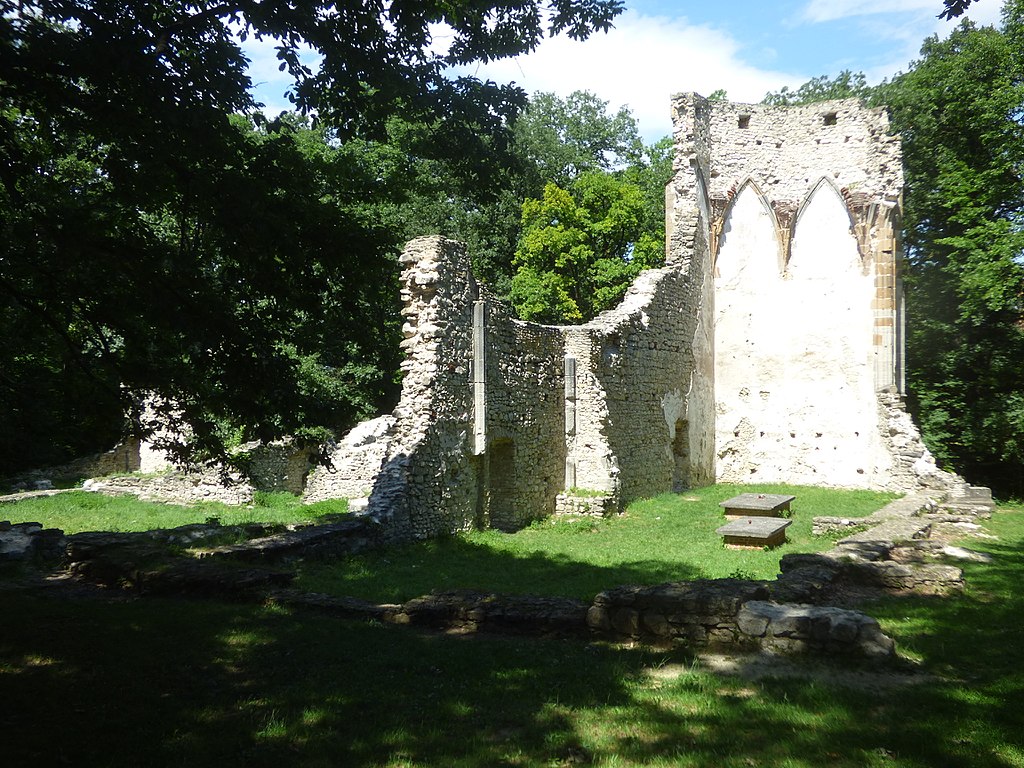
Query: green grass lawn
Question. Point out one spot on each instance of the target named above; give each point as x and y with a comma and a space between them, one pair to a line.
163, 682
668, 538
77, 511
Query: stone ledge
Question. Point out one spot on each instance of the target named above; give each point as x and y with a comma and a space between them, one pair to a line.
569, 504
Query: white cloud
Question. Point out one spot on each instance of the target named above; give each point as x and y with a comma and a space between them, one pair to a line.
641, 63
830, 10
906, 36
816, 11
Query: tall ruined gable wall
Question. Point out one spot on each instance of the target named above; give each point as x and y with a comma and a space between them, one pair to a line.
787, 150
807, 301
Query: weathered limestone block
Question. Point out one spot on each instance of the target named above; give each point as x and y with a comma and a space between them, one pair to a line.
788, 627
177, 487
22, 541
585, 506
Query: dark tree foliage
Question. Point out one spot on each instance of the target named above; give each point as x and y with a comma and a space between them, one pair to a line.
959, 112
955, 8
151, 242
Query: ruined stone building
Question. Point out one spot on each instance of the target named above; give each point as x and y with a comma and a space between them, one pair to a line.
769, 348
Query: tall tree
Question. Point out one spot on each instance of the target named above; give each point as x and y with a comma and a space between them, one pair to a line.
581, 248
958, 111
151, 242
564, 139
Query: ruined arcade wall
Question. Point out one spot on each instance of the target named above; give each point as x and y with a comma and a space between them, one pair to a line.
804, 206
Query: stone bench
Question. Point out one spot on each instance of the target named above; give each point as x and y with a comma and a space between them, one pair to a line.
756, 532
757, 505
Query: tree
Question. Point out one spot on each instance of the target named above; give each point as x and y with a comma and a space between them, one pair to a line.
955, 8
581, 248
845, 85
565, 139
154, 243
958, 111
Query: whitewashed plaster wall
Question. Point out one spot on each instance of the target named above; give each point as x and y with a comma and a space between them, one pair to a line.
794, 373
805, 202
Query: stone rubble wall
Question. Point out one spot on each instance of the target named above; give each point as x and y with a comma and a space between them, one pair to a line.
522, 468
176, 487
123, 458
499, 419
913, 467
428, 483
489, 430
734, 613
356, 460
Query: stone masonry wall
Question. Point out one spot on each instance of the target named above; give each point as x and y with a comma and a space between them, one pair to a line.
807, 310
428, 483
498, 417
523, 463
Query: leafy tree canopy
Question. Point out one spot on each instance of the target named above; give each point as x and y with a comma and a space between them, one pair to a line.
581, 248
955, 8
243, 269
958, 111
845, 85
565, 139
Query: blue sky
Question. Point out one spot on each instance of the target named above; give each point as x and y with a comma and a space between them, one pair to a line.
747, 47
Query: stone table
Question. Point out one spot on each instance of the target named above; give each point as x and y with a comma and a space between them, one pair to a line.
755, 532
757, 504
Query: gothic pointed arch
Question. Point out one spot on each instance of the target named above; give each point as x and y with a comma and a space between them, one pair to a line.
825, 205
746, 201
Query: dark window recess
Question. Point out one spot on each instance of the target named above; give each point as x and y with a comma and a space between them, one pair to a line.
830, 118
744, 121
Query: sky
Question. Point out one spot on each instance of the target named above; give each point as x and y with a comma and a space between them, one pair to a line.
747, 47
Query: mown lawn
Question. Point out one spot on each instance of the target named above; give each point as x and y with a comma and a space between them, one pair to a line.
77, 511
668, 538
170, 682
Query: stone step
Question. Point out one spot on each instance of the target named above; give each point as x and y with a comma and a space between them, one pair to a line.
891, 532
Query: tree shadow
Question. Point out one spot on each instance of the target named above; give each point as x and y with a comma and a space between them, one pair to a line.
401, 573
175, 682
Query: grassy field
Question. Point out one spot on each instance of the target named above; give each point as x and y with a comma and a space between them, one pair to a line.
77, 511
172, 682
667, 538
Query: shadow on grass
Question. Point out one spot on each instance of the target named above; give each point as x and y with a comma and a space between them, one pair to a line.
170, 682
399, 574
167, 682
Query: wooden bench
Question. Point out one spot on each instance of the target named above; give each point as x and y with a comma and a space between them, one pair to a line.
756, 532
757, 505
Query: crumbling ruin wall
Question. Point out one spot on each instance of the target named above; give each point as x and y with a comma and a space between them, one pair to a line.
498, 418
768, 349
518, 417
